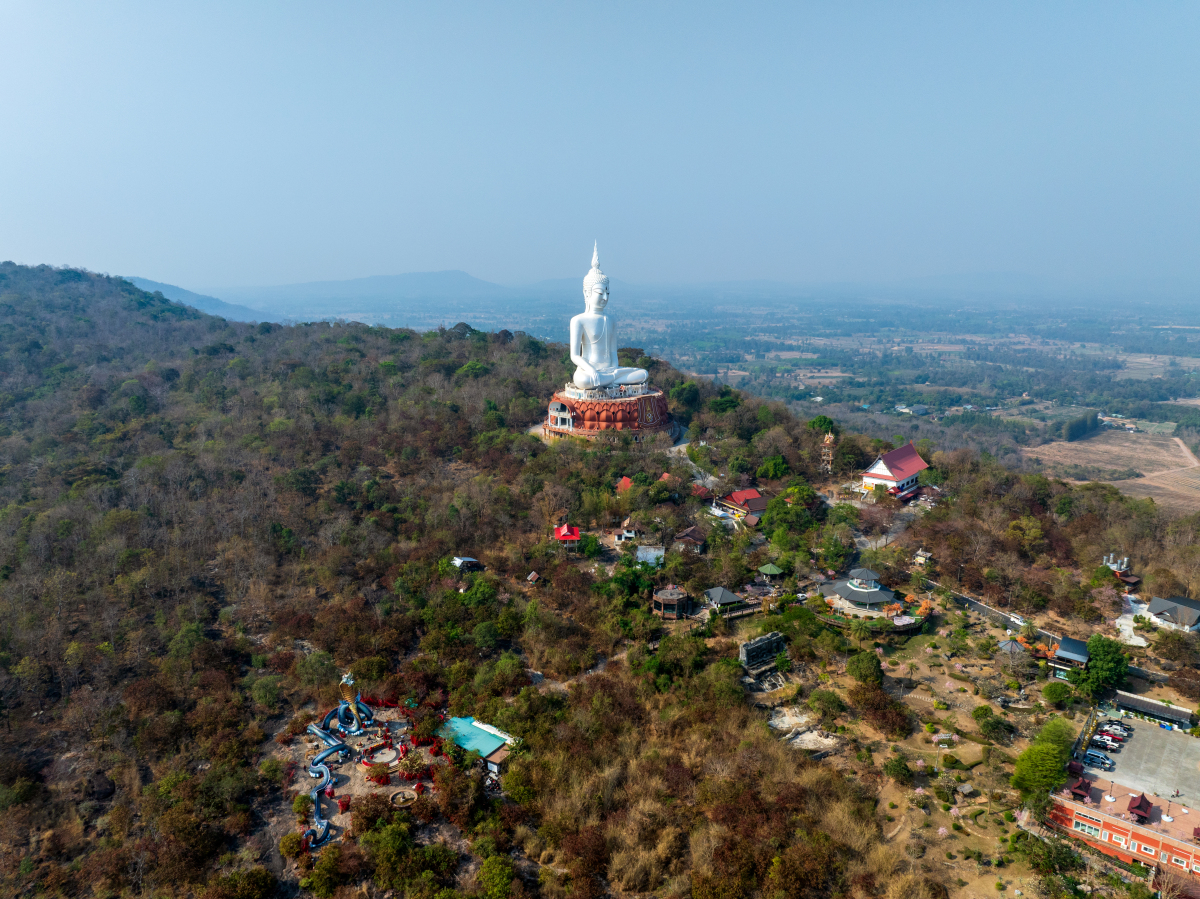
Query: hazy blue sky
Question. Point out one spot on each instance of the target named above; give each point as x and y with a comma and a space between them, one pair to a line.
222, 144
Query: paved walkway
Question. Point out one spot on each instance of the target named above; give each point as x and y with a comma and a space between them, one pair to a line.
1124, 623
901, 522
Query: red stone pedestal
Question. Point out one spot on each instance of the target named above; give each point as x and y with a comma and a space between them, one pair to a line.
595, 415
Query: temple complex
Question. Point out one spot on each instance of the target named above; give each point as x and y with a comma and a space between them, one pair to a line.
603, 396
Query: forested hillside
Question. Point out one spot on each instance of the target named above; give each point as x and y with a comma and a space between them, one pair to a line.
203, 523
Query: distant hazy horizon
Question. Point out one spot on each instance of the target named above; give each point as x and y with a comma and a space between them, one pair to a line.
271, 144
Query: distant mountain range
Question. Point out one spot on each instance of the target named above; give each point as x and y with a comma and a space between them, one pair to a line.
417, 299
211, 305
428, 299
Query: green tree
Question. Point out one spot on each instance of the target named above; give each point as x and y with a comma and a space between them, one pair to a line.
472, 369
996, 729
304, 481
326, 875
794, 515
687, 395
1056, 693
255, 883
1107, 668
496, 877
865, 668
265, 691
826, 703
389, 846
816, 604
316, 668
589, 546
485, 635
290, 845
1027, 531
823, 424
833, 552
1041, 768
773, 468
725, 401
897, 769
860, 631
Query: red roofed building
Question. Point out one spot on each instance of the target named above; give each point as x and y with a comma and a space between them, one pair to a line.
566, 534
623, 485
744, 502
701, 491
896, 470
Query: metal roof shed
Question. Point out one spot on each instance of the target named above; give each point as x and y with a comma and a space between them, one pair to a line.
1175, 714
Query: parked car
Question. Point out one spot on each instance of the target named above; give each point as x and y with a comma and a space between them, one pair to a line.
1113, 724
1094, 759
1103, 742
1115, 734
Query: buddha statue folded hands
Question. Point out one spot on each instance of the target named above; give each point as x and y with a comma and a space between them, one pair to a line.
593, 338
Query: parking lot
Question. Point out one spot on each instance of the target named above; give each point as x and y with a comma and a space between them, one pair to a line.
1159, 761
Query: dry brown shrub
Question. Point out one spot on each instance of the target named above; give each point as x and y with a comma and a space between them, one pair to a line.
526, 837
702, 845
635, 870
845, 822
915, 886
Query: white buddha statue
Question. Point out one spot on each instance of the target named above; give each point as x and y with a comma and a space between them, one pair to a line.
593, 338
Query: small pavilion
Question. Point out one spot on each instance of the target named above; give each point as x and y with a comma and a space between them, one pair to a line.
770, 570
671, 602
862, 590
1011, 648
1140, 808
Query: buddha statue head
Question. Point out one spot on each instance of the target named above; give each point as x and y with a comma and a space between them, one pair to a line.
595, 285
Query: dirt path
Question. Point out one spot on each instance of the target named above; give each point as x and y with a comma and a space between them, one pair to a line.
1187, 452
564, 686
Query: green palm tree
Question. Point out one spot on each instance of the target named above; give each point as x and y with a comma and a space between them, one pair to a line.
860, 631
912, 668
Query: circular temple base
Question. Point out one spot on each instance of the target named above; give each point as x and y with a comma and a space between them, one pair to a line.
644, 415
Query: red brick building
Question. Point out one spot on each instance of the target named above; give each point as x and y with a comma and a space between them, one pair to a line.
1132, 828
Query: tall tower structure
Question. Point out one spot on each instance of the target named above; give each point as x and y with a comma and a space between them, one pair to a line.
827, 446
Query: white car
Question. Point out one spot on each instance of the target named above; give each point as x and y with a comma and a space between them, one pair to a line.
1017, 620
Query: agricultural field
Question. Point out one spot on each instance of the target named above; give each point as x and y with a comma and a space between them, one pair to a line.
1143, 365
1170, 472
